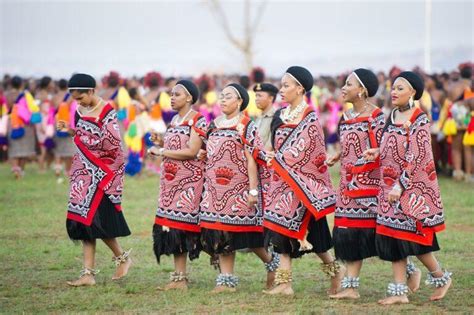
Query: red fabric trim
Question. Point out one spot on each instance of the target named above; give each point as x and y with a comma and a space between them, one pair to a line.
230, 228
299, 193
90, 215
357, 193
351, 223
177, 225
284, 231
426, 238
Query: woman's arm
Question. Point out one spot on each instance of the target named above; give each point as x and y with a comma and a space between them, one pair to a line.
253, 177
189, 153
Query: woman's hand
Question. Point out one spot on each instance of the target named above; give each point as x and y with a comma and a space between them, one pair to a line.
394, 194
61, 125
156, 138
371, 154
333, 159
201, 155
269, 156
252, 200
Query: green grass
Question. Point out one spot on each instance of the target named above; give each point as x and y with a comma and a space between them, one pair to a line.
37, 258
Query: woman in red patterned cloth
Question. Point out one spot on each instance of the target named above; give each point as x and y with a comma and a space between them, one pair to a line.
410, 211
94, 208
360, 128
176, 231
231, 217
300, 194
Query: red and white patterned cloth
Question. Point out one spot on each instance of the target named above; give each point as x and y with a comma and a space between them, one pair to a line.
300, 179
226, 187
406, 158
97, 167
356, 204
181, 182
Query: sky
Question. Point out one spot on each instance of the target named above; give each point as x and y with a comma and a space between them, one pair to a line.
183, 38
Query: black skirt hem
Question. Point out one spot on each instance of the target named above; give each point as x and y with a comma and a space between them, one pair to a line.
175, 242
353, 244
107, 223
224, 242
393, 249
319, 236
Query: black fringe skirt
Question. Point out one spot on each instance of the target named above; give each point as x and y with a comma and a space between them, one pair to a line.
393, 249
216, 242
175, 242
107, 223
319, 236
352, 244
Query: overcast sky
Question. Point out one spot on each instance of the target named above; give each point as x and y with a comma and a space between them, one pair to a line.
182, 37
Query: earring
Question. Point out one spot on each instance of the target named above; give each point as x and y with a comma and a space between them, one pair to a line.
360, 95
411, 102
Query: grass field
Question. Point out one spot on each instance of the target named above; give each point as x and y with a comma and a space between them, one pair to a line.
37, 258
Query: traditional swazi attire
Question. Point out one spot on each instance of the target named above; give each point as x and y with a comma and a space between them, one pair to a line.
181, 189
21, 130
66, 112
94, 207
357, 196
300, 194
228, 222
409, 226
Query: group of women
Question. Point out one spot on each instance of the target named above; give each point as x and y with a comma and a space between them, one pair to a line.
223, 190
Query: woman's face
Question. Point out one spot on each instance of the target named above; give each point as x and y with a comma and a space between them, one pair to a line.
290, 89
179, 98
83, 99
350, 91
229, 101
401, 92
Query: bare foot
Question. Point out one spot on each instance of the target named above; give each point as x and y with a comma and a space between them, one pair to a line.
396, 299
413, 282
350, 294
175, 285
85, 280
440, 292
122, 269
336, 281
270, 279
282, 289
223, 289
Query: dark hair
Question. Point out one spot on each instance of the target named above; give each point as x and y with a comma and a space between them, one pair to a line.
44, 82
245, 81
113, 81
169, 80
466, 72
62, 84
133, 92
154, 82
17, 82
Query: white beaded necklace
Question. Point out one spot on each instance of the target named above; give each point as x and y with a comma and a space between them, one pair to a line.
179, 120
226, 123
288, 115
355, 114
